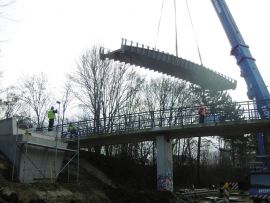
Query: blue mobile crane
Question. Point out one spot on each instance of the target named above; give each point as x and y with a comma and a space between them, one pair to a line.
257, 90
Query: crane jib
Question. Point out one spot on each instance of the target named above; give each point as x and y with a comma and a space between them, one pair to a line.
256, 87
259, 180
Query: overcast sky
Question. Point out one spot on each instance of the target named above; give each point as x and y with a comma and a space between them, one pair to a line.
49, 35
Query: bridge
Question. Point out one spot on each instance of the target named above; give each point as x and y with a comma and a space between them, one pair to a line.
182, 122
164, 125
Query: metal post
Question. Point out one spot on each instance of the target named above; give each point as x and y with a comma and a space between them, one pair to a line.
78, 158
68, 173
56, 140
15, 153
62, 122
58, 122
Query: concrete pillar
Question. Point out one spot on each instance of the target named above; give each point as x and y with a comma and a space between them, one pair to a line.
164, 164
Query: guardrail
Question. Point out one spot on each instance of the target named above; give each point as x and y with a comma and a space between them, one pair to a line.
197, 193
164, 118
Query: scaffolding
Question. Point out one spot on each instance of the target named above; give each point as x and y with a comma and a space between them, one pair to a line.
23, 147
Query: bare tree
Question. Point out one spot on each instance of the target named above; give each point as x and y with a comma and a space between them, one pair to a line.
66, 100
166, 93
35, 95
88, 80
10, 104
104, 87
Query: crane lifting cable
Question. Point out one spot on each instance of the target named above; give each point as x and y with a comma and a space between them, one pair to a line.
159, 22
175, 28
194, 34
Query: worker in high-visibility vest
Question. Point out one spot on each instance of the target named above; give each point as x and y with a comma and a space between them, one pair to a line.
72, 130
51, 117
226, 194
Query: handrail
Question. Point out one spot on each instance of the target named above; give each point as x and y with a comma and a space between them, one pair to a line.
180, 116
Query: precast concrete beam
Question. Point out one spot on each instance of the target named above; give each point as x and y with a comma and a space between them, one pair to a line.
153, 59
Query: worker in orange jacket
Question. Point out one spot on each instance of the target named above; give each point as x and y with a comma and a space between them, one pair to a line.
202, 113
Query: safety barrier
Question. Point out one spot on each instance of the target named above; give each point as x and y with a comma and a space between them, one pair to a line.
164, 118
197, 193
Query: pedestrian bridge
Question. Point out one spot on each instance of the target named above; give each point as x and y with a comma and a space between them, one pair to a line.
172, 123
229, 128
164, 125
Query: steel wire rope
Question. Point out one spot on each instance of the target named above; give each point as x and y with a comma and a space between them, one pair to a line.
194, 34
160, 16
175, 28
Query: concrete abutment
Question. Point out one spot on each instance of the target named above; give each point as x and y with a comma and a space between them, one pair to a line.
33, 156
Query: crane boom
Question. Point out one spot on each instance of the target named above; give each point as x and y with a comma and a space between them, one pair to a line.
256, 87
259, 179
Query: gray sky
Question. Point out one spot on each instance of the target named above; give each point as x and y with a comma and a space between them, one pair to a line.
49, 35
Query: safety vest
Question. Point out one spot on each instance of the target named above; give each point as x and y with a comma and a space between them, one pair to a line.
71, 128
51, 114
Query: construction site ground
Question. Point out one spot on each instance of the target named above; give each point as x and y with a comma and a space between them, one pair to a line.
100, 180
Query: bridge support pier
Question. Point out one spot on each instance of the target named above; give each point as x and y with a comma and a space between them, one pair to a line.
164, 164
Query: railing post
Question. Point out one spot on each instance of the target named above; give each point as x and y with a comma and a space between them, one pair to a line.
160, 118
248, 111
110, 124
94, 126
139, 122
152, 119
170, 118
125, 116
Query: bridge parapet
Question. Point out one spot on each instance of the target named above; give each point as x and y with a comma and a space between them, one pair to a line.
182, 116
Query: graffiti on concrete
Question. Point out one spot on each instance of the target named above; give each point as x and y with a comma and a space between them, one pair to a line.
165, 182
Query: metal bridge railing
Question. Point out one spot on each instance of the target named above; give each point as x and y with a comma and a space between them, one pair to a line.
164, 118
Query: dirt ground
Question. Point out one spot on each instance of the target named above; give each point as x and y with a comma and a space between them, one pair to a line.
99, 182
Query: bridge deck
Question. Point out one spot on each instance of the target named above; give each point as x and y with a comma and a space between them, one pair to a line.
228, 128
237, 119
171, 65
